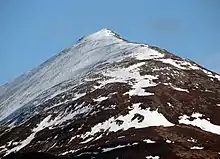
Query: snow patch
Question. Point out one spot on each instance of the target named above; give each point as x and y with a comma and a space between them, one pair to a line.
86, 141
196, 148
121, 137
170, 105
137, 88
126, 75
168, 141
149, 141
100, 99
44, 123
63, 117
113, 148
183, 65
152, 157
180, 89
210, 74
3, 148
217, 76
70, 151
201, 123
145, 53
196, 115
192, 140
176, 88
174, 63
151, 118
47, 123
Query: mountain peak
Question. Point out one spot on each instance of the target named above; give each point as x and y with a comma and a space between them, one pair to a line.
105, 31
102, 34
108, 98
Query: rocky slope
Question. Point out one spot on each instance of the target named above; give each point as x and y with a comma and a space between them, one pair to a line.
105, 97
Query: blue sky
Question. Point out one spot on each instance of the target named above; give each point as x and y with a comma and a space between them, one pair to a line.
31, 31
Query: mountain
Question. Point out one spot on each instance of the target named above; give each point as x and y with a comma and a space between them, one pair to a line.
106, 97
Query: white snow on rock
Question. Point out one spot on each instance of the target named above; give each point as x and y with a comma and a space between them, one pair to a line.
186, 65
170, 105
201, 123
3, 148
196, 115
172, 62
149, 141
145, 53
168, 141
152, 157
131, 73
65, 116
217, 76
49, 123
180, 89
43, 124
145, 81
183, 64
211, 74
70, 151
192, 140
121, 137
123, 74
100, 99
176, 88
151, 118
78, 95
196, 148
117, 147
113, 148
86, 141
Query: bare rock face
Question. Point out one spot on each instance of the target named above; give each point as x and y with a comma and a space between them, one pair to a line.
105, 97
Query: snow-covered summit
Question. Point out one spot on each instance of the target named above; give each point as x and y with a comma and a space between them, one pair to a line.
29, 89
102, 33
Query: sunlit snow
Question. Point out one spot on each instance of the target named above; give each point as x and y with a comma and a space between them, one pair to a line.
152, 157
192, 140
201, 123
68, 65
100, 99
149, 141
168, 141
113, 148
43, 124
196, 148
126, 75
151, 118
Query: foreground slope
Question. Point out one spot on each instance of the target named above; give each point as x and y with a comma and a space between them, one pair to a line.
105, 97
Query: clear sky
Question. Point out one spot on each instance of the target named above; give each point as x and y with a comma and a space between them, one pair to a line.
31, 31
